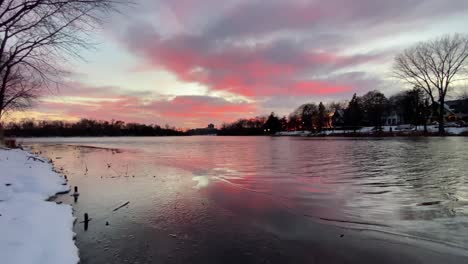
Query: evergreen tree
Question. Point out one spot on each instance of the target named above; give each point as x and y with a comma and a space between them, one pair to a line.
353, 114
322, 117
273, 124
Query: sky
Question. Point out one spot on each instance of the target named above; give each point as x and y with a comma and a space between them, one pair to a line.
191, 63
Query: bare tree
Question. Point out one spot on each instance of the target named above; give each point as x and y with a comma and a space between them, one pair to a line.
36, 37
434, 66
20, 90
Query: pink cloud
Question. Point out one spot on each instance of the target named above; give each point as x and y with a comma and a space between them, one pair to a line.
257, 70
269, 48
181, 111
202, 106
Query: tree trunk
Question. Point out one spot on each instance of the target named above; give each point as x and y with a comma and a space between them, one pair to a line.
2, 134
441, 116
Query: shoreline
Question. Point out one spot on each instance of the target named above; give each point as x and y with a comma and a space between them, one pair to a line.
385, 131
34, 227
366, 131
376, 135
348, 134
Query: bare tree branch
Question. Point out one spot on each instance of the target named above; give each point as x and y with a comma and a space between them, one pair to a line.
35, 35
434, 66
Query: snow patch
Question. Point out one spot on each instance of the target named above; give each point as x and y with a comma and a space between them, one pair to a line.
32, 229
369, 130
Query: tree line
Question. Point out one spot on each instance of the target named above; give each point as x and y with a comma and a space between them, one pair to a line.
373, 109
86, 127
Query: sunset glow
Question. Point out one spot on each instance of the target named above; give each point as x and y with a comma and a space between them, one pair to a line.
198, 62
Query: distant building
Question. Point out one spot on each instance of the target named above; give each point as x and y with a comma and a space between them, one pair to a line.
393, 119
210, 130
449, 113
459, 109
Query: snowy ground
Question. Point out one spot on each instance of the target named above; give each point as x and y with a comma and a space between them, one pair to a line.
33, 230
367, 130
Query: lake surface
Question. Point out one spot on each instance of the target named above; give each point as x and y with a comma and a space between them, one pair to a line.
267, 199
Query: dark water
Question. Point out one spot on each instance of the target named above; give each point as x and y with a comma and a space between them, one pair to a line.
268, 200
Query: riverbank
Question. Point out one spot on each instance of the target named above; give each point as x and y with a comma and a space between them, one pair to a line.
387, 131
33, 229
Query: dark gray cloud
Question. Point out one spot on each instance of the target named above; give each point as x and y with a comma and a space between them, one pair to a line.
266, 17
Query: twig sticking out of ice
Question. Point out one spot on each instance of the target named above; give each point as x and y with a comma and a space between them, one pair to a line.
123, 205
36, 159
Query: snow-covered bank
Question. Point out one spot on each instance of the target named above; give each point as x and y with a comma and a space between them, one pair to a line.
33, 230
368, 130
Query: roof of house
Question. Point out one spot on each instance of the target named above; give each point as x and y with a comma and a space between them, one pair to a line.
458, 106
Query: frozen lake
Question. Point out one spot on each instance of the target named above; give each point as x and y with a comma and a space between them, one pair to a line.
267, 199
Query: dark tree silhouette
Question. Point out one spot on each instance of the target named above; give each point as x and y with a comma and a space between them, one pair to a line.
294, 122
434, 66
309, 115
417, 108
375, 105
244, 127
272, 125
413, 106
85, 127
284, 123
323, 117
354, 114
